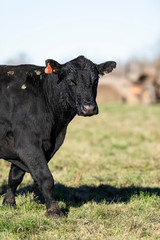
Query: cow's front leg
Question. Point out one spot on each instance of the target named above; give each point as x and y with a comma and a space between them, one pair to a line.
45, 182
44, 179
15, 178
33, 157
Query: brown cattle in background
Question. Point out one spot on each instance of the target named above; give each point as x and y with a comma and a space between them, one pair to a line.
136, 82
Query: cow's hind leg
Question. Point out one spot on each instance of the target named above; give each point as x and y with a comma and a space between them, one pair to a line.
15, 178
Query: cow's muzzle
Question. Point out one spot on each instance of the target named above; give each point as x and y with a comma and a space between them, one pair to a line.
89, 110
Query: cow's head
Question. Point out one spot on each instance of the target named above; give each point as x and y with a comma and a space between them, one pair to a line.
81, 79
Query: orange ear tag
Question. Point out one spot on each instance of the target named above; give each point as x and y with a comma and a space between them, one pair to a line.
48, 69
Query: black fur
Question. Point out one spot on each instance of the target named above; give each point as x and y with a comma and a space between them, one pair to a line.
35, 110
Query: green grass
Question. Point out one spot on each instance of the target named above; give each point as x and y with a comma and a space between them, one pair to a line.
107, 181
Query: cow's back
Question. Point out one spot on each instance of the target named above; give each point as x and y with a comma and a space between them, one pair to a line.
17, 90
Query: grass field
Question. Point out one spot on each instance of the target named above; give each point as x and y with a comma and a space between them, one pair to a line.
107, 181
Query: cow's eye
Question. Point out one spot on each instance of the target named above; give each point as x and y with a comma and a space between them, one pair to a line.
71, 82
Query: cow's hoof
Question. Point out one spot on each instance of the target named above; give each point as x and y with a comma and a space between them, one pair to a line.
54, 214
9, 202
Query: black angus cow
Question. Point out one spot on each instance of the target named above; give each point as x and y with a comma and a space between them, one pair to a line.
35, 110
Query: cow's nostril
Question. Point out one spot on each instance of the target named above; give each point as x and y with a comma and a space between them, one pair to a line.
84, 108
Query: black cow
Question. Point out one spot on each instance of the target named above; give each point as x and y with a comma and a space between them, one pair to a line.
35, 110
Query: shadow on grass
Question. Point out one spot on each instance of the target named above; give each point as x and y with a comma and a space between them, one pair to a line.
77, 196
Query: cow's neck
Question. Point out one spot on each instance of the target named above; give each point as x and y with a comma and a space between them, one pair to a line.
56, 98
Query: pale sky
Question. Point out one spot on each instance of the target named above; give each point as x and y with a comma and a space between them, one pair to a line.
64, 29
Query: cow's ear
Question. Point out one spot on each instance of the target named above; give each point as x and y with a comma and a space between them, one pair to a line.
106, 67
52, 66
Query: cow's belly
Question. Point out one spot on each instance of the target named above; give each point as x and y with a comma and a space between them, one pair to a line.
8, 153
7, 147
